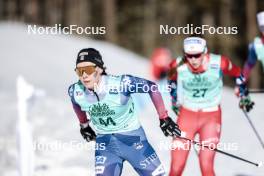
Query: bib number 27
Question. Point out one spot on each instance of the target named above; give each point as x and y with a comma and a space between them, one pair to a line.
197, 93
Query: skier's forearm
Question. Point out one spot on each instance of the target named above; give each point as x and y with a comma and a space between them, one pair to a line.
229, 68
235, 71
251, 61
247, 69
80, 114
173, 91
172, 81
158, 103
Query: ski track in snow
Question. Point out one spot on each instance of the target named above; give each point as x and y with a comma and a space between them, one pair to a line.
48, 61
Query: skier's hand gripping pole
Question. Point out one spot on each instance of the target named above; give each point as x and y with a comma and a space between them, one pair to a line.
87, 132
169, 127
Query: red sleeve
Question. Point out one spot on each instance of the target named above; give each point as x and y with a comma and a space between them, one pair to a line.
159, 104
80, 114
229, 68
172, 74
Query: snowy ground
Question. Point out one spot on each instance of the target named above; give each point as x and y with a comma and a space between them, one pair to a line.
47, 62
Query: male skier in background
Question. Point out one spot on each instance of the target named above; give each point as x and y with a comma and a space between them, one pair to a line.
256, 48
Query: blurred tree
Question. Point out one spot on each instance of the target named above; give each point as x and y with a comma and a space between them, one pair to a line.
2, 9
31, 11
174, 14
52, 12
225, 20
72, 15
85, 13
73, 12
130, 24
149, 29
43, 13
110, 18
225, 44
179, 12
11, 9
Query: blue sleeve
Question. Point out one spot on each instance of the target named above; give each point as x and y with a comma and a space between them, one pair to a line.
131, 84
173, 91
71, 93
252, 56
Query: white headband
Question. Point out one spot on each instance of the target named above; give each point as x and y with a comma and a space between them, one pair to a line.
194, 45
260, 19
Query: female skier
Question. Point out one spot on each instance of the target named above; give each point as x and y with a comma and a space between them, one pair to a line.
106, 112
196, 85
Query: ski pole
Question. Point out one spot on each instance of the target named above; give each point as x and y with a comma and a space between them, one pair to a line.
256, 91
225, 153
254, 129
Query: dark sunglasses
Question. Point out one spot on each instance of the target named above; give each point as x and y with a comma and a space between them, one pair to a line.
193, 55
87, 69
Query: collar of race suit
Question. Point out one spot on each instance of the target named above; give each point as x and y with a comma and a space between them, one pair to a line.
262, 39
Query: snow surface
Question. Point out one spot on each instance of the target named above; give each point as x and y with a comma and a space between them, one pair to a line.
47, 62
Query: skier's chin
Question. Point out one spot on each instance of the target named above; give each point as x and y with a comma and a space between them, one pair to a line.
195, 66
89, 85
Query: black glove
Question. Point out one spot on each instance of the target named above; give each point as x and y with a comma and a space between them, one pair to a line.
169, 128
87, 133
246, 104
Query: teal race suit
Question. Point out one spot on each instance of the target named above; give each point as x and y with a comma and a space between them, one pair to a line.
113, 116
